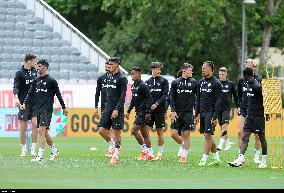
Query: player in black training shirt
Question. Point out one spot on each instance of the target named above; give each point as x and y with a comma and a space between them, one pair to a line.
22, 82
159, 88
208, 105
254, 121
242, 111
113, 114
101, 90
182, 98
42, 91
142, 101
228, 90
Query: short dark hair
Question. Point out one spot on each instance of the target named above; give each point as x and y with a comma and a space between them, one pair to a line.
106, 62
43, 62
179, 73
136, 69
156, 65
114, 59
186, 65
248, 72
210, 63
29, 56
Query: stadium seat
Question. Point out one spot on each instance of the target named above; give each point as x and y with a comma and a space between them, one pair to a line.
2, 18
30, 12
56, 51
21, 12
20, 26
46, 42
16, 57
8, 49
8, 41
6, 65
74, 59
55, 58
11, 11
83, 67
26, 49
47, 50
83, 75
18, 34
36, 50
37, 42
3, 5
73, 74
9, 34
66, 50
65, 58
6, 57
64, 66
64, 74
9, 26
30, 27
44, 56
29, 35
20, 18
54, 66
5, 73
74, 67
83, 59
17, 49
27, 42
75, 51
12, 73
56, 43
54, 74
10, 18
93, 75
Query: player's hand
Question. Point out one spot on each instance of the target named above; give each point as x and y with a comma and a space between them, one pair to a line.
196, 120
127, 116
238, 111
214, 122
17, 103
147, 116
23, 106
96, 113
267, 117
65, 112
114, 114
174, 116
154, 106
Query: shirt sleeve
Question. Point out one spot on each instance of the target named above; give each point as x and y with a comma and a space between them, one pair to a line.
16, 83
235, 95
197, 102
148, 96
165, 92
240, 92
173, 96
98, 92
58, 94
218, 95
121, 101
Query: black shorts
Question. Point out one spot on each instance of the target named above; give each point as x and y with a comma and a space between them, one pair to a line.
158, 119
224, 117
108, 122
44, 119
140, 119
205, 123
28, 113
184, 122
255, 124
244, 112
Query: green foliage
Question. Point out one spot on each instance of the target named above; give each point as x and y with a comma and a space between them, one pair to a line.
173, 31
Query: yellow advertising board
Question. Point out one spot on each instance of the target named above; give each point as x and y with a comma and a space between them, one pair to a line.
82, 122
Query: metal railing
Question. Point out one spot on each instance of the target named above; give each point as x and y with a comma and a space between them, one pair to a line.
69, 33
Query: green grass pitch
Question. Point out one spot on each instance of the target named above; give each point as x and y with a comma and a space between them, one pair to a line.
79, 167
